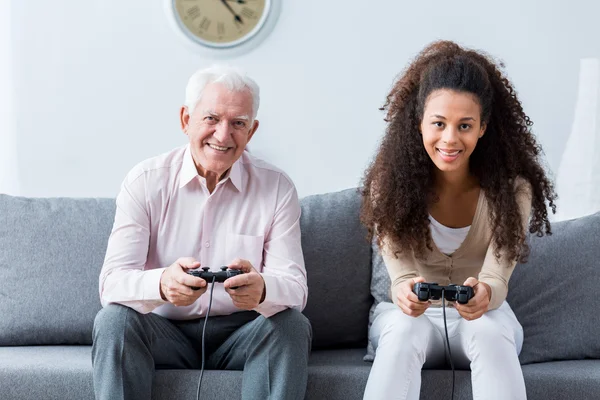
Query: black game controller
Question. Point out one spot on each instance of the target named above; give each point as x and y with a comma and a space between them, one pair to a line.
426, 291
220, 276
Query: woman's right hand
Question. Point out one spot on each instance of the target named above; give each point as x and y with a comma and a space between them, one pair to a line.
408, 301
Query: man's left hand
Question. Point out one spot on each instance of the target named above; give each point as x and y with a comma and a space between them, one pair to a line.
250, 286
480, 302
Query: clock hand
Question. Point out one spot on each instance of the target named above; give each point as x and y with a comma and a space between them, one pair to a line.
238, 1
237, 17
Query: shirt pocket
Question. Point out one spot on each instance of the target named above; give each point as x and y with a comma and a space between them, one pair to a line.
246, 247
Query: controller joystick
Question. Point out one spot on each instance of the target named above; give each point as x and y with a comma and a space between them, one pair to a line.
220, 276
432, 291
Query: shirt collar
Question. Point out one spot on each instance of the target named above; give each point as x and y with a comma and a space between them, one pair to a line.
189, 171
188, 168
235, 174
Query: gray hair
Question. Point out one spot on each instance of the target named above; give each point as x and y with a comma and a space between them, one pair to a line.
232, 78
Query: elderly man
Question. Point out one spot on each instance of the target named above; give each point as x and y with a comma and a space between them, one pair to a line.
208, 204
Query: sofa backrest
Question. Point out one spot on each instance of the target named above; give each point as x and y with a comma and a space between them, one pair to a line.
51, 253
555, 294
52, 250
338, 264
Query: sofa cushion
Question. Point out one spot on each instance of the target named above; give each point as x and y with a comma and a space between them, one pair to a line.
65, 372
563, 380
380, 289
51, 252
338, 264
555, 294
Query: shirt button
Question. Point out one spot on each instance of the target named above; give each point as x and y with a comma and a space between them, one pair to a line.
207, 244
210, 200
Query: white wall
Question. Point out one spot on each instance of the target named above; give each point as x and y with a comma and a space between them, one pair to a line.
98, 84
578, 178
9, 178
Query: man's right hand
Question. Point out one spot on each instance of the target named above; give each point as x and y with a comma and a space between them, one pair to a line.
176, 285
408, 301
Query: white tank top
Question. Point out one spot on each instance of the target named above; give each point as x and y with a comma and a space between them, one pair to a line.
447, 240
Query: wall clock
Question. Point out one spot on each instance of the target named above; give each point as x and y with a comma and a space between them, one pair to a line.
223, 26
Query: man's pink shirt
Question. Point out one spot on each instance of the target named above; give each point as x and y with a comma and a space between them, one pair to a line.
165, 211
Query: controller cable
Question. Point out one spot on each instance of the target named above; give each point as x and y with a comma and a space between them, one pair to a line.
448, 341
212, 286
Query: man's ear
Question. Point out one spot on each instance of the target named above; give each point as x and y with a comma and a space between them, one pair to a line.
252, 130
184, 118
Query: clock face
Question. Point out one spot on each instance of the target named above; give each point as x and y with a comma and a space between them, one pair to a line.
221, 23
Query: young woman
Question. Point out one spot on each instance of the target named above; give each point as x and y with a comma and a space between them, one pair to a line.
449, 197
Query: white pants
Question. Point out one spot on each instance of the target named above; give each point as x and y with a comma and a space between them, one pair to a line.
489, 345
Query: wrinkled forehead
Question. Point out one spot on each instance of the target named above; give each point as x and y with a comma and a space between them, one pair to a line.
221, 100
225, 113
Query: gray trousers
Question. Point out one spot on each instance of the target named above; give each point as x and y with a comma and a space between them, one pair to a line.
128, 346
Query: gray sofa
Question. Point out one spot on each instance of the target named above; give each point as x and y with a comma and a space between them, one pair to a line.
51, 252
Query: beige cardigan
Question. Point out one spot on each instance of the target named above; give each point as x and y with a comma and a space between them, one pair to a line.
474, 258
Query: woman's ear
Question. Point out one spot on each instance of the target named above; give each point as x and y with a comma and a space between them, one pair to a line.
483, 128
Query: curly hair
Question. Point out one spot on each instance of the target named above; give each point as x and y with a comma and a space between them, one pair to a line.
398, 186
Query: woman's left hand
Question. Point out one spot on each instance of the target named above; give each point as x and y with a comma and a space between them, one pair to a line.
478, 305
